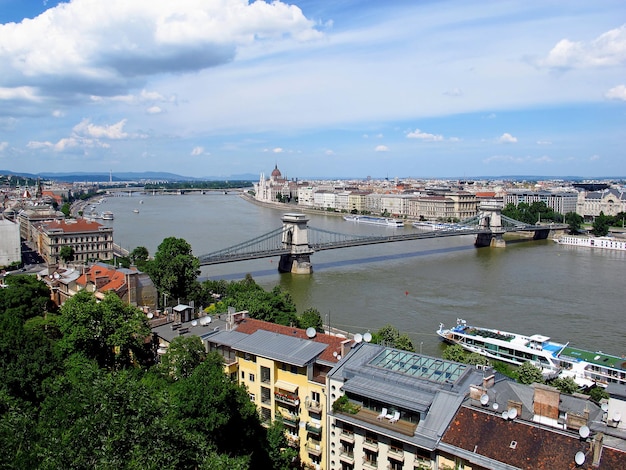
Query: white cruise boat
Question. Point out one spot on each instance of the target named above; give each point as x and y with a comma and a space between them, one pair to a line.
607, 243
555, 359
107, 215
366, 219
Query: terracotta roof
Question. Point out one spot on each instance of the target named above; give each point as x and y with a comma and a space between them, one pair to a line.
250, 325
77, 225
486, 194
522, 444
107, 278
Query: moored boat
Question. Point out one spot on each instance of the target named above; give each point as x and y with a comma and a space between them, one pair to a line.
587, 368
107, 215
607, 243
366, 219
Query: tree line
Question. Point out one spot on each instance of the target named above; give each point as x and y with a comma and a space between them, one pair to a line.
80, 388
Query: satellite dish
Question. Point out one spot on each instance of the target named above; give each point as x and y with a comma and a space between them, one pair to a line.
358, 338
584, 432
484, 399
367, 337
605, 407
150, 315
310, 332
194, 323
495, 406
579, 458
334, 353
617, 417
505, 414
512, 413
339, 357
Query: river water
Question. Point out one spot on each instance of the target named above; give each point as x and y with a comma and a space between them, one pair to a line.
568, 293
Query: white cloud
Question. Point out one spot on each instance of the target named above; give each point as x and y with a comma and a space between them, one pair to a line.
608, 49
114, 131
381, 148
617, 93
91, 47
594, 158
507, 138
329, 152
417, 134
277, 150
517, 160
3, 146
154, 110
197, 151
25, 93
544, 142
453, 92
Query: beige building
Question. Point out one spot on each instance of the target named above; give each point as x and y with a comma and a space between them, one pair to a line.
10, 246
90, 240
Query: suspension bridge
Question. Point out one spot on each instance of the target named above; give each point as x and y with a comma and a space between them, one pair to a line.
295, 241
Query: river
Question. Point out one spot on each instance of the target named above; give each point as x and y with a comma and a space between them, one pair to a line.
568, 293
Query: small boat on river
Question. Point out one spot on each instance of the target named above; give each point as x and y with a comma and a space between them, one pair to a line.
366, 219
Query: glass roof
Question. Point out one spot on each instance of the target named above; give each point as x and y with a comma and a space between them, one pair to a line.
415, 365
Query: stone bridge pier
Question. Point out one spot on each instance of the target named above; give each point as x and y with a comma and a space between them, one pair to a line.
298, 261
491, 219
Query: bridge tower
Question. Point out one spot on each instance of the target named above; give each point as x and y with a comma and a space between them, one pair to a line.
491, 218
298, 261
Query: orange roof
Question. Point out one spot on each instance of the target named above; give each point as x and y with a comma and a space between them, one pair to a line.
486, 194
113, 278
77, 225
250, 325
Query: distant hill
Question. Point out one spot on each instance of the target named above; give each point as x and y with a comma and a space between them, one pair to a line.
72, 177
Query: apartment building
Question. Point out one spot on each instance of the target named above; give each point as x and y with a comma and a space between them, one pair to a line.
561, 202
388, 408
284, 370
608, 201
10, 246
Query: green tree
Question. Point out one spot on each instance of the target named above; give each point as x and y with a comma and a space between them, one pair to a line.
598, 393
404, 342
574, 221
139, 256
174, 270
25, 297
528, 374
183, 355
280, 454
601, 225
476, 359
454, 353
66, 209
110, 332
66, 253
311, 318
565, 385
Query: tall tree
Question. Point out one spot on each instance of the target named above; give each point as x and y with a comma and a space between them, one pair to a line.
311, 318
174, 270
139, 256
574, 221
183, 355
110, 331
601, 225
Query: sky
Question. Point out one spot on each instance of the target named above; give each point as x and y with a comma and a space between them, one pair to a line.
326, 89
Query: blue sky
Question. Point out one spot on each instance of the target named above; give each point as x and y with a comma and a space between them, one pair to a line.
402, 88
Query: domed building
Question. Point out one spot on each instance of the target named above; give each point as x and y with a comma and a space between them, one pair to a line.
269, 190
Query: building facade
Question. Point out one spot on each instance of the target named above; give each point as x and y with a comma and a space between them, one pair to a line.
10, 245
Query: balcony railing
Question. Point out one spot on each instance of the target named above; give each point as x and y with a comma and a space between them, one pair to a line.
290, 420
293, 441
313, 406
289, 399
347, 436
346, 456
370, 444
314, 428
314, 448
369, 463
396, 453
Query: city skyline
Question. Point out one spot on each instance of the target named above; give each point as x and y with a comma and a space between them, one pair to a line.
327, 89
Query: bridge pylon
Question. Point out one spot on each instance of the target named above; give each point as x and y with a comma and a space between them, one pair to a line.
295, 238
491, 218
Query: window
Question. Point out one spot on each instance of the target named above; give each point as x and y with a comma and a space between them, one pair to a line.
243, 375
251, 377
315, 397
266, 396
294, 369
265, 374
252, 397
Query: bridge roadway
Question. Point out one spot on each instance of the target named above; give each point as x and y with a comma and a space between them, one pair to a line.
272, 243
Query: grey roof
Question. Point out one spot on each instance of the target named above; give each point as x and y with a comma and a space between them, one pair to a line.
226, 338
295, 351
167, 333
396, 394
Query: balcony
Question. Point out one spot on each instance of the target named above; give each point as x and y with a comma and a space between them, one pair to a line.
314, 447
287, 398
371, 417
313, 406
370, 444
346, 456
293, 441
290, 419
347, 436
369, 463
314, 428
396, 454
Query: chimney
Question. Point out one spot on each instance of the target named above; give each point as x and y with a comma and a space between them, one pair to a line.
546, 401
489, 381
596, 445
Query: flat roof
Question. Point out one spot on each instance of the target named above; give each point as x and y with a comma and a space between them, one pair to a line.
416, 365
288, 349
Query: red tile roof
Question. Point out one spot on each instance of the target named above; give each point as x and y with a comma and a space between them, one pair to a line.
76, 226
522, 444
106, 278
250, 325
